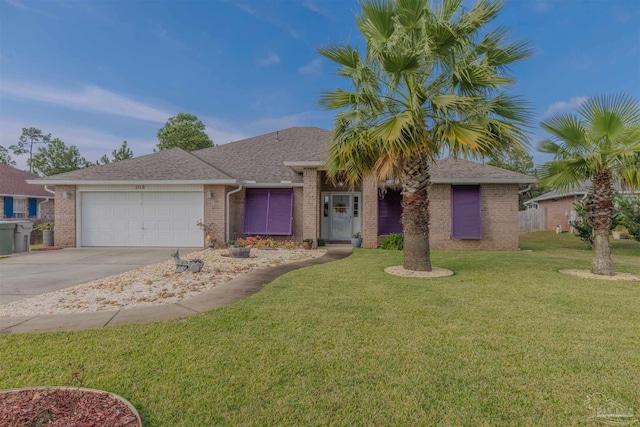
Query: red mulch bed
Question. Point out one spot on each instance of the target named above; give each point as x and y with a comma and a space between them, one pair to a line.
50, 248
64, 407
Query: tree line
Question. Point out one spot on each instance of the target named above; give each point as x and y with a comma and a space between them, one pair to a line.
53, 156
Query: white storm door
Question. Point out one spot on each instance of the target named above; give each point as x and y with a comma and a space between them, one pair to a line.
340, 217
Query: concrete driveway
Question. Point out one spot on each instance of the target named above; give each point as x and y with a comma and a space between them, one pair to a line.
32, 273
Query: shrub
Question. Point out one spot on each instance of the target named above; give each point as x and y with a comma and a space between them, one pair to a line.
582, 226
630, 216
394, 242
321, 241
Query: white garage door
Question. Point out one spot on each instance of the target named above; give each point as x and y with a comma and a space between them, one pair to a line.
141, 219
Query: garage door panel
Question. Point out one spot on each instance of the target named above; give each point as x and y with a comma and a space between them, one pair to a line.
141, 219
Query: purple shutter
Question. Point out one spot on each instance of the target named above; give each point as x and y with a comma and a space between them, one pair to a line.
256, 205
466, 212
280, 211
268, 211
390, 213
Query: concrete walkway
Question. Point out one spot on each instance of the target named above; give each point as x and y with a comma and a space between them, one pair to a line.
235, 290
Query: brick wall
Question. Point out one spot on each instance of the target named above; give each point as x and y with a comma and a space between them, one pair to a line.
215, 211
311, 205
558, 212
369, 213
298, 214
47, 210
65, 229
499, 218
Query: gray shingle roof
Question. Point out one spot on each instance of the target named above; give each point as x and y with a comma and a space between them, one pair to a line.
14, 182
262, 158
169, 165
451, 170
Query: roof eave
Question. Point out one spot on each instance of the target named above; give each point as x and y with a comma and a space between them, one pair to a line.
285, 184
135, 182
299, 166
472, 181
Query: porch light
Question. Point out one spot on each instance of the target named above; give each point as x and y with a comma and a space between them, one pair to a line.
66, 195
209, 194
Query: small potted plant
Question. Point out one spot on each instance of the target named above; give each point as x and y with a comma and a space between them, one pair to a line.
239, 248
356, 240
209, 229
307, 244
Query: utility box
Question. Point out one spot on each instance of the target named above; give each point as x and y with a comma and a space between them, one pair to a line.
22, 236
6, 237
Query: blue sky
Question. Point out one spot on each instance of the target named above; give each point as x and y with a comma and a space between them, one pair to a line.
94, 73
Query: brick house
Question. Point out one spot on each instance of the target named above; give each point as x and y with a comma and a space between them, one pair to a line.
273, 184
559, 206
19, 199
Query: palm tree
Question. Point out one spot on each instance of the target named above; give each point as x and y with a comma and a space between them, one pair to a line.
426, 84
602, 144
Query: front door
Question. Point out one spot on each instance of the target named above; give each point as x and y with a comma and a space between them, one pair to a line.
340, 216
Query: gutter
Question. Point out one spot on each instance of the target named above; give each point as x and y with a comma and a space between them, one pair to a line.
228, 199
49, 191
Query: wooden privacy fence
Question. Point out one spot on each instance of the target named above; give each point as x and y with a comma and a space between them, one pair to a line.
533, 220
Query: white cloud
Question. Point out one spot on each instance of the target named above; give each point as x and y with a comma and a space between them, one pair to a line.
313, 68
315, 7
19, 4
265, 17
560, 106
270, 59
89, 97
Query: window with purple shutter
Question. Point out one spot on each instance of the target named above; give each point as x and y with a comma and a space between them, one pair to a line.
390, 213
466, 212
268, 211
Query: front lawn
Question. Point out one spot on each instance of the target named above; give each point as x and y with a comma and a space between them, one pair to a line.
506, 341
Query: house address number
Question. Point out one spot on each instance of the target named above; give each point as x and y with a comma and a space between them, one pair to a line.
138, 187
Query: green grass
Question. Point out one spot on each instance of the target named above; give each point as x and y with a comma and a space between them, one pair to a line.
36, 246
506, 341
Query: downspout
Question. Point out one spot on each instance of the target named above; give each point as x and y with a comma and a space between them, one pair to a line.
526, 189
228, 200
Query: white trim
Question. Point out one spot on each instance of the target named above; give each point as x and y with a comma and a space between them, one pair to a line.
273, 184
24, 196
141, 188
304, 164
135, 182
473, 181
300, 166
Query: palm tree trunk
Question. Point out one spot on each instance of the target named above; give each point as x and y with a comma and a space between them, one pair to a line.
415, 180
600, 214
